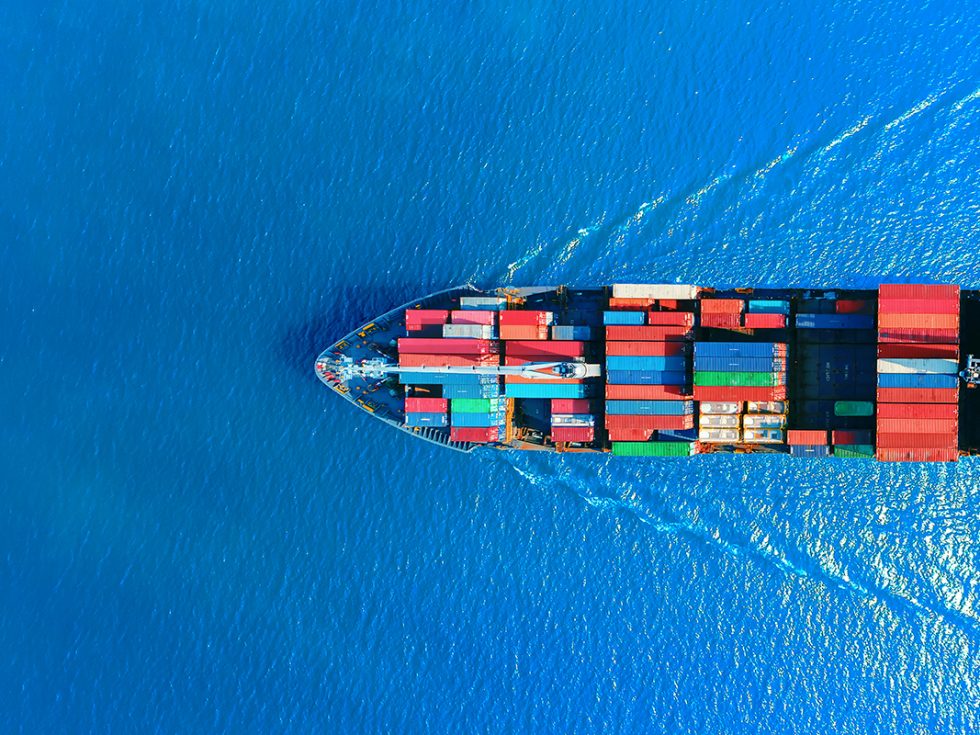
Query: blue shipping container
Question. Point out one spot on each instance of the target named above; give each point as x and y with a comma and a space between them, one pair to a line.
623, 362
764, 306
626, 318
553, 390
650, 408
414, 378
739, 364
478, 420
899, 380
835, 321
687, 435
457, 390
426, 419
564, 332
646, 377
735, 349
809, 451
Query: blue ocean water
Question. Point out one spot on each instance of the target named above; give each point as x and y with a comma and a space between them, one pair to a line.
196, 197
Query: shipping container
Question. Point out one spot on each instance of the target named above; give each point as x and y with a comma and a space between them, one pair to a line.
670, 319
888, 291
629, 435
662, 407
918, 410
765, 321
919, 365
740, 364
651, 362
949, 352
834, 321
711, 378
408, 359
519, 332
426, 405
719, 436
718, 421
572, 419
624, 317
421, 345
766, 407
853, 306
918, 426
739, 349
482, 302
919, 306
572, 405
477, 419
630, 304
850, 436
653, 449
855, 451
896, 380
721, 321
663, 349
809, 451
528, 318
648, 392
918, 321
916, 455
571, 333
722, 306
806, 437
854, 408
574, 434
647, 377
470, 391
420, 317
924, 336
721, 407
485, 317
768, 306
534, 390
918, 395
633, 421
476, 435
649, 334
904, 440
414, 378
471, 331
426, 419
550, 349
763, 436
654, 291
739, 393
764, 420
476, 405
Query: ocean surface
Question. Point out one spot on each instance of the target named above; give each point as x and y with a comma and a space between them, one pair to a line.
197, 537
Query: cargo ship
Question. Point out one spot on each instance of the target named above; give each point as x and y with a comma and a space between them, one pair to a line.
673, 370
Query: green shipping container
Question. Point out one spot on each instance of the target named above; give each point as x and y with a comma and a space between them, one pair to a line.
854, 408
855, 451
473, 405
729, 379
652, 449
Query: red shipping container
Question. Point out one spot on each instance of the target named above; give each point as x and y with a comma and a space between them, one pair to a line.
950, 352
572, 434
918, 426
918, 321
721, 321
925, 336
917, 455
807, 437
554, 348
765, 321
571, 405
630, 304
517, 318
852, 306
905, 440
523, 332
426, 316
426, 405
649, 334
670, 319
919, 306
847, 438
740, 393
917, 291
474, 316
722, 306
475, 434
624, 421
421, 345
675, 305
653, 349
918, 395
410, 360
918, 410
648, 392
630, 435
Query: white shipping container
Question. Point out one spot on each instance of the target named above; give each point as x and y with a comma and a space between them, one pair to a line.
570, 419
764, 421
719, 436
764, 436
654, 291
469, 331
482, 301
918, 365
767, 407
711, 421
720, 408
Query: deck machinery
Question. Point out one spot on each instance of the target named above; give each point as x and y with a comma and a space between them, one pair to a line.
675, 370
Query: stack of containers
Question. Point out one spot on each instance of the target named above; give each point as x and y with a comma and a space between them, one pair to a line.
766, 314
918, 362
478, 420
722, 313
572, 420
522, 352
426, 412
421, 320
808, 442
735, 373
647, 366
853, 443
764, 422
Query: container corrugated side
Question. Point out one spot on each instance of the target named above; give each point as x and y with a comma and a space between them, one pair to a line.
918, 321
646, 362
740, 364
624, 317
916, 425
649, 334
768, 306
918, 395
476, 435
646, 377
422, 345
648, 392
855, 451
652, 349
649, 422
420, 419
905, 440
722, 306
888, 291
911, 454
670, 319
908, 380
924, 336
534, 390
921, 365
807, 437
474, 316
754, 380
918, 410
739, 393
415, 404
653, 449
919, 306
638, 407
740, 349
575, 434
765, 321
571, 405
854, 408
654, 291
949, 352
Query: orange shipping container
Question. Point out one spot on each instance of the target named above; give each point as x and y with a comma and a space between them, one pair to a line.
523, 332
919, 321
722, 306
